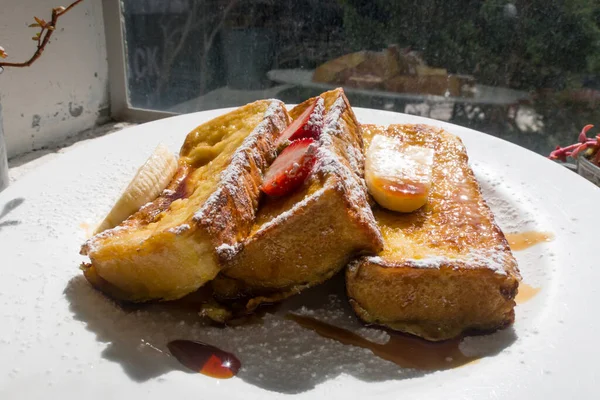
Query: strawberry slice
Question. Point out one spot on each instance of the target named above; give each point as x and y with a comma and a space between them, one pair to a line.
308, 124
290, 168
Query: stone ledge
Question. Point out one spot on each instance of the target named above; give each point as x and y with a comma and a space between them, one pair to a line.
22, 164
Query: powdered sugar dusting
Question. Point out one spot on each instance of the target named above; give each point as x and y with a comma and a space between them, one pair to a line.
512, 209
349, 170
330, 163
284, 216
354, 187
274, 110
178, 230
335, 311
227, 251
145, 206
332, 122
315, 122
277, 354
274, 116
92, 243
494, 259
388, 158
356, 159
46, 322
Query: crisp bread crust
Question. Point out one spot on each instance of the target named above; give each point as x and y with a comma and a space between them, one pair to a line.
306, 238
138, 256
445, 269
230, 212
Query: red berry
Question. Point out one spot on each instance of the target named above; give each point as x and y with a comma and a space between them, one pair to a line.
308, 124
290, 168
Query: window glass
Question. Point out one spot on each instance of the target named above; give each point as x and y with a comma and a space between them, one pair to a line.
522, 70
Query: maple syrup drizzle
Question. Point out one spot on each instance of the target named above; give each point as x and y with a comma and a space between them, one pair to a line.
524, 240
205, 358
405, 351
526, 293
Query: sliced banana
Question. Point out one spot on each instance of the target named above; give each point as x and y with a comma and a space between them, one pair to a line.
149, 181
398, 176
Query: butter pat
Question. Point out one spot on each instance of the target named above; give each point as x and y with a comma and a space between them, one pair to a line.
398, 176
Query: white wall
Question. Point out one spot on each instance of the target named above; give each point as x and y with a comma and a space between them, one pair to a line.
66, 90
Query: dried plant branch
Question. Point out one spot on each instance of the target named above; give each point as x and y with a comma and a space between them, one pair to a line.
42, 37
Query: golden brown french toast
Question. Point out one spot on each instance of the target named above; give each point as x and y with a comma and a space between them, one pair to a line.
445, 269
304, 238
174, 245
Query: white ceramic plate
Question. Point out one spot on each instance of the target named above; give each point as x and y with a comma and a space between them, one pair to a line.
61, 339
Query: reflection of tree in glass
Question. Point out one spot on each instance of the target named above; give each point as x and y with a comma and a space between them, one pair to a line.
203, 19
522, 44
548, 47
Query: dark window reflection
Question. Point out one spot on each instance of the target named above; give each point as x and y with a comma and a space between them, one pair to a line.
526, 71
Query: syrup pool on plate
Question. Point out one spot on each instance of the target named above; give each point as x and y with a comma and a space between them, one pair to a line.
403, 350
205, 358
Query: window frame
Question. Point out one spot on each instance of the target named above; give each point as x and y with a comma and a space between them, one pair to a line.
120, 108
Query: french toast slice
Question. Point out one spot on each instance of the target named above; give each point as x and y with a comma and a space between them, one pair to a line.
304, 238
174, 245
446, 269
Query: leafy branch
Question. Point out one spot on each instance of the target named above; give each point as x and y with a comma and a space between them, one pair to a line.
42, 37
